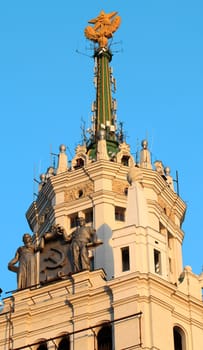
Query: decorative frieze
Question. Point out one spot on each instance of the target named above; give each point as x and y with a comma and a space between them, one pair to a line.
120, 186
78, 191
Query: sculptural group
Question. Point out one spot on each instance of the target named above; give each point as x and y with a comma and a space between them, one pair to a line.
61, 254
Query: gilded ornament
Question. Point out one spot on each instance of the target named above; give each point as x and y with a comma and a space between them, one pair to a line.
103, 28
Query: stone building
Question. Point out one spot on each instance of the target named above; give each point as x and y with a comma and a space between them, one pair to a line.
103, 267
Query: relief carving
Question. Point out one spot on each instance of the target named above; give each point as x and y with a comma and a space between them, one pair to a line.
119, 186
79, 191
167, 209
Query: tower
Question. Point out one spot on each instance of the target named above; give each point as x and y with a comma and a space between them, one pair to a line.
106, 244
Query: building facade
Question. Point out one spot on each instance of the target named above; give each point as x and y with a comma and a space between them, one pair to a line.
103, 268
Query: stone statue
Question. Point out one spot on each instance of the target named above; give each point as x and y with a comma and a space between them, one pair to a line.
159, 167
145, 157
101, 146
42, 181
81, 237
56, 231
27, 266
169, 178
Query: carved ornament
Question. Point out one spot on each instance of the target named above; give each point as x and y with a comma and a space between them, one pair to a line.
167, 209
119, 186
103, 28
79, 191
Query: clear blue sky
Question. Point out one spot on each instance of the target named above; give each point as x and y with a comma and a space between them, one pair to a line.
46, 88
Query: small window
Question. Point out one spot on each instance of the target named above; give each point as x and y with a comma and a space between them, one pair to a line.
164, 210
126, 191
73, 220
125, 160
80, 193
170, 240
157, 261
119, 214
178, 338
79, 163
64, 344
42, 347
170, 265
125, 259
104, 338
89, 216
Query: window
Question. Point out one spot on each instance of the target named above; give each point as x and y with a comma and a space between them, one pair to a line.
79, 163
157, 261
119, 214
125, 259
126, 191
179, 338
64, 344
125, 160
170, 265
170, 240
80, 193
73, 220
42, 347
104, 338
89, 216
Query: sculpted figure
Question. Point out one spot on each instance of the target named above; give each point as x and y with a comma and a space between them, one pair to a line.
56, 231
145, 157
169, 178
159, 167
27, 266
103, 28
80, 239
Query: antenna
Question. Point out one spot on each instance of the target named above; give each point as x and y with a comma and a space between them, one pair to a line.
82, 53
36, 214
120, 133
1, 301
53, 160
152, 144
137, 152
84, 137
34, 181
177, 182
50, 148
116, 43
68, 148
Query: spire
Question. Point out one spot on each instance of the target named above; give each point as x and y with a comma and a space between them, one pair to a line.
104, 108
104, 117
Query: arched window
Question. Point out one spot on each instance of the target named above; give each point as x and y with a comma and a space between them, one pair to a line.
125, 160
179, 338
79, 163
42, 346
64, 343
104, 338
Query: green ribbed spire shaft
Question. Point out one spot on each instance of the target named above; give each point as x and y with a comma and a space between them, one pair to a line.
103, 93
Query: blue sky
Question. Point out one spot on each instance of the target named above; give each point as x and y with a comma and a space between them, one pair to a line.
46, 90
